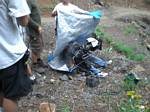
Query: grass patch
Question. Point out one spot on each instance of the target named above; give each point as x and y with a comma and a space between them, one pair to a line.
65, 106
137, 57
130, 30
120, 46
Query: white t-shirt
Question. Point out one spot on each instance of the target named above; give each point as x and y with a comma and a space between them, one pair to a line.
12, 47
70, 8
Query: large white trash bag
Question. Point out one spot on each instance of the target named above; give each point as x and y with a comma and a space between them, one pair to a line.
71, 26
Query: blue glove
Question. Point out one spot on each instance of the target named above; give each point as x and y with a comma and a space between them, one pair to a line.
96, 14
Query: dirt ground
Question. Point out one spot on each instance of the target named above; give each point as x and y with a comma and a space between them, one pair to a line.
69, 92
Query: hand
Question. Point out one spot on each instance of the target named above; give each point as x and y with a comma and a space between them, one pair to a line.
54, 14
40, 29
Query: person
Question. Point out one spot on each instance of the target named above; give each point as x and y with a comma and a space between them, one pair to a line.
74, 28
14, 81
63, 5
34, 31
66, 5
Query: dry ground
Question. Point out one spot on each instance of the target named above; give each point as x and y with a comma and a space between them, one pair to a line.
72, 93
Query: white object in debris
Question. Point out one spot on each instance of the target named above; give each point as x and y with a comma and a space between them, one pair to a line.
109, 62
93, 41
32, 77
102, 74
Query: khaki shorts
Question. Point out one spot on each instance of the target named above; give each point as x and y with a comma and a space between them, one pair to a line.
36, 44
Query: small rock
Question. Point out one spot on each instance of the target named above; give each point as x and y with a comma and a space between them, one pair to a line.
29, 110
138, 68
40, 70
52, 81
64, 78
38, 94
47, 107
81, 78
53, 98
148, 46
44, 77
39, 75
70, 77
109, 62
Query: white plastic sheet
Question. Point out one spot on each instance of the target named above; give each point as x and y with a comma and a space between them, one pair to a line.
70, 27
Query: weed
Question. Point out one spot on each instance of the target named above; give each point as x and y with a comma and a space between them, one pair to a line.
130, 30
137, 57
133, 101
99, 33
66, 108
109, 39
120, 46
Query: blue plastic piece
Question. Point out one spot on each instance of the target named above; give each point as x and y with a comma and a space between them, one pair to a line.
96, 14
94, 70
50, 58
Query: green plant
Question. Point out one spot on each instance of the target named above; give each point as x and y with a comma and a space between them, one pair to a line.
133, 103
120, 46
130, 29
136, 57
99, 33
66, 108
109, 39
147, 109
130, 82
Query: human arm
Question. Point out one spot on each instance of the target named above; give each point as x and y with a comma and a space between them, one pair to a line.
54, 14
35, 18
34, 25
19, 10
23, 21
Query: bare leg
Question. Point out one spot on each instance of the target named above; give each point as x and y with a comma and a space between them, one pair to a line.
38, 56
35, 57
37, 61
29, 70
9, 105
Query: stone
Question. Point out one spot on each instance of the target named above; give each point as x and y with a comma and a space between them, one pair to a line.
138, 68
148, 46
40, 70
47, 107
64, 78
